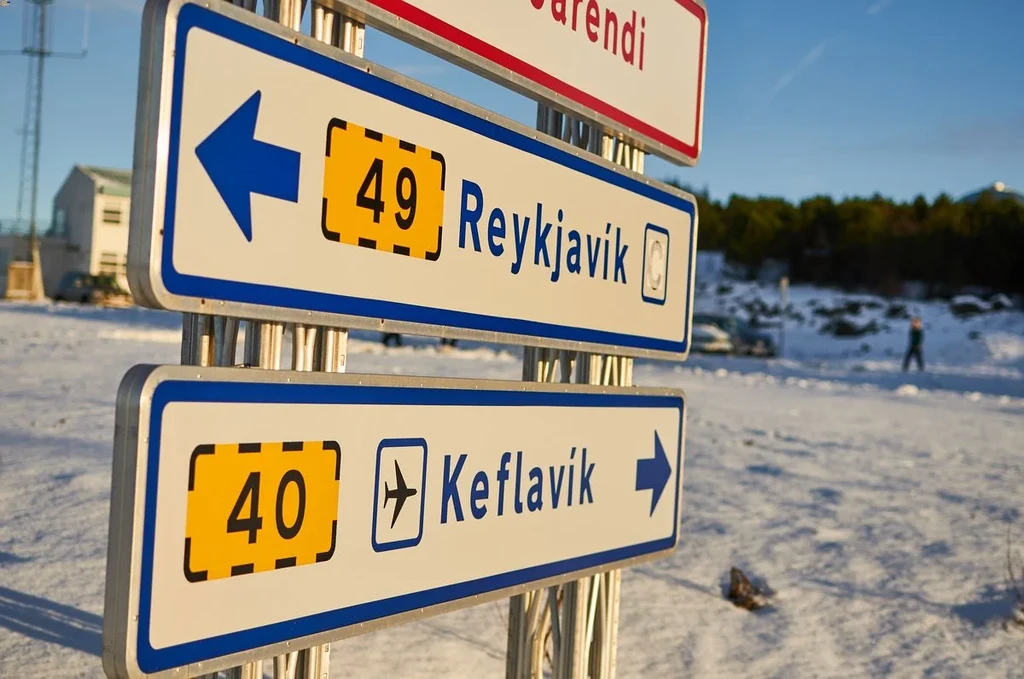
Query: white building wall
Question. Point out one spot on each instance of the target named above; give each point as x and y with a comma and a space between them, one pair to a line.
94, 226
74, 205
110, 236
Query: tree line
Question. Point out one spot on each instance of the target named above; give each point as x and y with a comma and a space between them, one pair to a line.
872, 243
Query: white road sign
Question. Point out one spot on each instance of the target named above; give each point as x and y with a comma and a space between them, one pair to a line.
256, 509
636, 66
281, 179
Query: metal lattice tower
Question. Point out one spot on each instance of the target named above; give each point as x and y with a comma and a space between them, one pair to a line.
36, 46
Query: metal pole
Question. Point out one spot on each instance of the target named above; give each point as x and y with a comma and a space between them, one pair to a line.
35, 38
330, 353
40, 52
784, 294
26, 141
313, 348
40, 63
580, 618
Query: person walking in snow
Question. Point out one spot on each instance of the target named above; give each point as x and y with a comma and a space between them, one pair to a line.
914, 348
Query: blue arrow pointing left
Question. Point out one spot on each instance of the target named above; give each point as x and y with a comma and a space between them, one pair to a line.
240, 165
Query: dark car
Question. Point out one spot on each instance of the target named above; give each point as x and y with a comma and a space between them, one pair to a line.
103, 289
746, 339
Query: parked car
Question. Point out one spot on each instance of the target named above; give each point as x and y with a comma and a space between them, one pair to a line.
394, 339
708, 338
102, 289
745, 339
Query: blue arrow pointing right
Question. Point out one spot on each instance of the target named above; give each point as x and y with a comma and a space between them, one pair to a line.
652, 473
240, 165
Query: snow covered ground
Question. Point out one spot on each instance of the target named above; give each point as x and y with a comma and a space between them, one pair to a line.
981, 354
875, 505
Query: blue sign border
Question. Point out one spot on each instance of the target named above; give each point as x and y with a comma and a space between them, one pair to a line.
152, 659
194, 16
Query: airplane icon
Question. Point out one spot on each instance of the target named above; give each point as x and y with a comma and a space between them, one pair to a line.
408, 455
400, 494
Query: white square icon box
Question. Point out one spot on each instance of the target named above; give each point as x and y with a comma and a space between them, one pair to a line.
655, 279
398, 496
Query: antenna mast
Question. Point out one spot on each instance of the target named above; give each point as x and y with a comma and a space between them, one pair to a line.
35, 40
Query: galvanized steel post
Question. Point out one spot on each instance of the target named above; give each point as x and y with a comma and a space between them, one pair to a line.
581, 618
209, 340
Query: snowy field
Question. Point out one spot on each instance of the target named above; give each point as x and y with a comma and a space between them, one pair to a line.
875, 504
981, 354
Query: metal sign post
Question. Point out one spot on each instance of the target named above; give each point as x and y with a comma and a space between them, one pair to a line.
212, 340
784, 296
581, 617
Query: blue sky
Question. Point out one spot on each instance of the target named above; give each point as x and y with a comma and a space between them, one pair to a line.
842, 97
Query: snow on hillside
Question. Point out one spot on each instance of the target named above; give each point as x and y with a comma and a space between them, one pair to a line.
981, 353
875, 505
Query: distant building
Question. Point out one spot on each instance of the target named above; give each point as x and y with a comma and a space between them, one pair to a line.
998, 190
90, 212
89, 229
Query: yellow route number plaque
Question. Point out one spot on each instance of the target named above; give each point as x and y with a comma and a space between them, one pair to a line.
382, 193
256, 507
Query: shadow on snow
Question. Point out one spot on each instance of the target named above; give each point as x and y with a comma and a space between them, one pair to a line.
46, 620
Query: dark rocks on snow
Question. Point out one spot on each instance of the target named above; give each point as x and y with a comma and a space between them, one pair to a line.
897, 312
743, 593
844, 327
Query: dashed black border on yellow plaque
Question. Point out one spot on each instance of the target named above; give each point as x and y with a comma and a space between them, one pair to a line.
370, 243
245, 448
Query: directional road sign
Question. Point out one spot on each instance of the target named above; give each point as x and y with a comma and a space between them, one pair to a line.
635, 66
280, 179
255, 512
